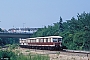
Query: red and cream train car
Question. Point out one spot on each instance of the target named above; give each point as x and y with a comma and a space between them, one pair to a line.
49, 42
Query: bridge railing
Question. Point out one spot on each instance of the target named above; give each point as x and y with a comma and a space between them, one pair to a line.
16, 33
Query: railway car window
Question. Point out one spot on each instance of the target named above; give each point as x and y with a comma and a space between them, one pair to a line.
30, 41
46, 39
59, 39
34, 40
49, 39
55, 39
41, 40
25, 41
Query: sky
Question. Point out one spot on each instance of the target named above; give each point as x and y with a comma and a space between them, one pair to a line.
38, 13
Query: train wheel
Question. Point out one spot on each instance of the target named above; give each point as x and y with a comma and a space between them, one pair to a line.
61, 48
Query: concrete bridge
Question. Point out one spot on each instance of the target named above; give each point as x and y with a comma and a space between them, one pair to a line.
15, 35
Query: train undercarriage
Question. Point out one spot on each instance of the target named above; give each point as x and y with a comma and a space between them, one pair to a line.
42, 47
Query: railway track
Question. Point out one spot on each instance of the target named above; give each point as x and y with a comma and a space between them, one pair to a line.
77, 53
64, 52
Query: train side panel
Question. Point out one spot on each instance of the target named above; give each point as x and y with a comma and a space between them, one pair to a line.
42, 42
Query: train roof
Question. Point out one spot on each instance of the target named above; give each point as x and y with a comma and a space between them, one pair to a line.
30, 38
47, 37
43, 37
22, 39
55, 36
51, 37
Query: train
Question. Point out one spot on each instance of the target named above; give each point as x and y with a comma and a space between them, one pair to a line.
47, 43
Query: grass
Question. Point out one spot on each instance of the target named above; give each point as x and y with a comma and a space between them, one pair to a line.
32, 57
27, 51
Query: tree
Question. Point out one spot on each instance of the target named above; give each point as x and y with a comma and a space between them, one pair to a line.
60, 25
1, 30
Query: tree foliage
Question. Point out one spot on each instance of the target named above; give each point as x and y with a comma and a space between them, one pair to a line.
5, 41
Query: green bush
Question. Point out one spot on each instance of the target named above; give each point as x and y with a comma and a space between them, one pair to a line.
7, 54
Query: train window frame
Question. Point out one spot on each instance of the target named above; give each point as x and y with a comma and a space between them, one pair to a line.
55, 39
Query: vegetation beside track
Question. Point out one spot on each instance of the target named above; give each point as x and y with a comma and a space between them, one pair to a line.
12, 54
